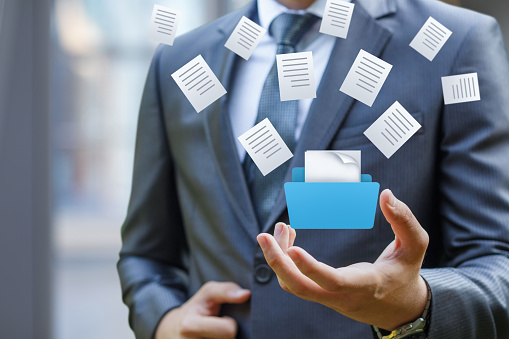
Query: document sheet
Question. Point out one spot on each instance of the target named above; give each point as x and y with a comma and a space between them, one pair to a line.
265, 146
163, 25
296, 76
244, 39
392, 130
337, 17
461, 88
199, 84
431, 38
333, 166
366, 78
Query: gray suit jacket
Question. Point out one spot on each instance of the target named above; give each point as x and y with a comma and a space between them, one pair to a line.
190, 217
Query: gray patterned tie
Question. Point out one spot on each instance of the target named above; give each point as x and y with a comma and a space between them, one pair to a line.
287, 30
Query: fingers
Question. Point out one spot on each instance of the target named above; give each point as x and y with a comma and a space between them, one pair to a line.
209, 327
411, 236
325, 276
294, 281
223, 292
293, 235
282, 236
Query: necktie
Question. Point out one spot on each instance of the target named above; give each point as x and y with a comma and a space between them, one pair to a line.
287, 30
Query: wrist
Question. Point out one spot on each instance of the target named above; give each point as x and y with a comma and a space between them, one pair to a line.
415, 301
416, 328
418, 305
167, 327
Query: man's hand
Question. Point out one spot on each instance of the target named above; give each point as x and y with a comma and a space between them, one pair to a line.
197, 318
386, 294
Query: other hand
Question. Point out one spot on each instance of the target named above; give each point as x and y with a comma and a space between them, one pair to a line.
386, 294
198, 317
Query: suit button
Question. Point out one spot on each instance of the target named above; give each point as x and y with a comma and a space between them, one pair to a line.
263, 273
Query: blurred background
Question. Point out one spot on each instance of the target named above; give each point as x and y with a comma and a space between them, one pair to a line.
99, 60
71, 77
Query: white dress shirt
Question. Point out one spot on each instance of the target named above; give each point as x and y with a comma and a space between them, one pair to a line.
250, 76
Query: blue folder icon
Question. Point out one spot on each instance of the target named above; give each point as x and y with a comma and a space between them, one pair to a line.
331, 205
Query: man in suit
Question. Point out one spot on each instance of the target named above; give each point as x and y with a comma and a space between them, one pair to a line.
191, 266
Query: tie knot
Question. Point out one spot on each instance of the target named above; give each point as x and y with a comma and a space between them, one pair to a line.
288, 29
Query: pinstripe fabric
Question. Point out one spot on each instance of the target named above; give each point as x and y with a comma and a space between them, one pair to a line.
475, 287
190, 219
287, 30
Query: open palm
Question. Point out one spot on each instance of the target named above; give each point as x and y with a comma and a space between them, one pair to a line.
387, 293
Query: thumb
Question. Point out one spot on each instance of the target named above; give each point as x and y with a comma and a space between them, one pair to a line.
223, 292
410, 236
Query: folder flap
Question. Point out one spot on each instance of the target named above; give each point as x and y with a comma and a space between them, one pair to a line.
366, 178
298, 174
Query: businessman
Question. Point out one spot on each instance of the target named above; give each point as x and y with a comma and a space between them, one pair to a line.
191, 265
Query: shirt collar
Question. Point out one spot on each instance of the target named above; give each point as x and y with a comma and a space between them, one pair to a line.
268, 10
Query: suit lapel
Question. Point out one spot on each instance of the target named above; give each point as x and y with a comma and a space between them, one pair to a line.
331, 106
219, 133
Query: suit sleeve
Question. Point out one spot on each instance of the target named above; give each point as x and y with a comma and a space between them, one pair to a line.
471, 293
152, 265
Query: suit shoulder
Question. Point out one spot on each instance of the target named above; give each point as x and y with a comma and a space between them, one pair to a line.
457, 19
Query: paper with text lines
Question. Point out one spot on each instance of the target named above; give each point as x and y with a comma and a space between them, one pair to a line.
199, 84
392, 130
265, 146
244, 39
461, 88
163, 25
430, 39
296, 76
366, 78
336, 18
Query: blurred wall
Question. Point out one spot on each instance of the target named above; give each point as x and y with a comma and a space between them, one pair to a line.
24, 162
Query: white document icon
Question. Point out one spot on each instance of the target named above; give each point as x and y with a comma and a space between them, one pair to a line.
296, 76
244, 39
366, 78
333, 166
163, 25
461, 88
199, 84
431, 38
392, 130
337, 17
265, 146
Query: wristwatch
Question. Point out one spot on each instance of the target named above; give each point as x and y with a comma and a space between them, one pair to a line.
412, 330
